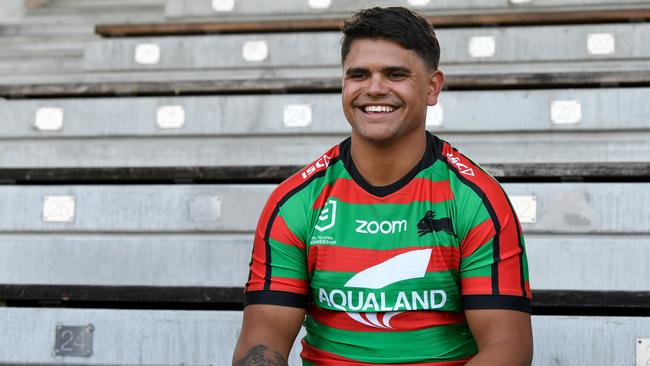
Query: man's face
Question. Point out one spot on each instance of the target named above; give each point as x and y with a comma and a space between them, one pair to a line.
386, 90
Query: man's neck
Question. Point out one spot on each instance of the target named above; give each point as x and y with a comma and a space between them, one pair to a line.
386, 164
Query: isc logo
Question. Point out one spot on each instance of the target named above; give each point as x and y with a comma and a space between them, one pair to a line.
322, 162
464, 169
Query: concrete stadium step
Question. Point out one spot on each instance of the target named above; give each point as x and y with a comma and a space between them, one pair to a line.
220, 260
80, 7
34, 67
158, 337
322, 80
550, 111
92, 4
605, 125
54, 48
124, 337
561, 208
47, 30
296, 9
481, 49
52, 39
225, 151
94, 12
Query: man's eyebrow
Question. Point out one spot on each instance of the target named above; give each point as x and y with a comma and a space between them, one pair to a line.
356, 70
385, 70
402, 69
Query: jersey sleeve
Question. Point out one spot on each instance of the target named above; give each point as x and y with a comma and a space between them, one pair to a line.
493, 264
493, 267
278, 267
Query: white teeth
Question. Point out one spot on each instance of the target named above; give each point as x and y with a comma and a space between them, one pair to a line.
378, 108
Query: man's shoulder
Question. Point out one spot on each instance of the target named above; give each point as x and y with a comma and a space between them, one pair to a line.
464, 168
306, 176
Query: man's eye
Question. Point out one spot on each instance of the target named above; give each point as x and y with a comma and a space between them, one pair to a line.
396, 75
356, 75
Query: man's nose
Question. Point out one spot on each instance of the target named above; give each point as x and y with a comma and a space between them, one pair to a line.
376, 85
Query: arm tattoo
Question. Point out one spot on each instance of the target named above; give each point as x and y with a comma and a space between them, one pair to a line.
261, 355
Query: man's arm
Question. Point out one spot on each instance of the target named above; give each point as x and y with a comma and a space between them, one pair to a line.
504, 337
267, 334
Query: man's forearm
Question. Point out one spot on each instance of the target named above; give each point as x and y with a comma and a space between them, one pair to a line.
261, 355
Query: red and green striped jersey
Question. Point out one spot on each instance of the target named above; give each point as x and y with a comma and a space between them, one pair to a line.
386, 273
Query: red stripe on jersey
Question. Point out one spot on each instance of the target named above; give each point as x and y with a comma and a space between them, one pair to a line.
324, 358
257, 271
344, 259
261, 254
405, 321
476, 237
477, 286
290, 285
510, 271
281, 232
418, 189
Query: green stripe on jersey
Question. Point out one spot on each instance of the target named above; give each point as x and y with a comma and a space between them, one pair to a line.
438, 171
482, 258
524, 262
411, 294
440, 343
285, 258
297, 211
373, 226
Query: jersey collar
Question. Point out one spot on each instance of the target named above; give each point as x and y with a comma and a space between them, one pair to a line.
428, 158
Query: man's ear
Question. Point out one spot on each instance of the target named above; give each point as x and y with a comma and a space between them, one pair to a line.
436, 81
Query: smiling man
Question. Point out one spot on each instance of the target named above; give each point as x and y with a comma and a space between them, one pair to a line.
396, 247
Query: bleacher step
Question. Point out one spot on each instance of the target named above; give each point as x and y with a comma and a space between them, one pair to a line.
39, 29
61, 65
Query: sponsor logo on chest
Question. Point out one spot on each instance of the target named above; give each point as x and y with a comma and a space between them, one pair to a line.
383, 227
363, 306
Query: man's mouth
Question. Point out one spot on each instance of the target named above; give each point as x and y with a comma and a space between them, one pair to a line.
378, 108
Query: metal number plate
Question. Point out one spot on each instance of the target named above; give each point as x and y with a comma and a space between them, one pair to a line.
74, 341
526, 208
58, 208
320, 4
170, 116
418, 2
601, 43
49, 119
435, 116
223, 5
254, 51
296, 115
643, 352
205, 209
483, 46
566, 111
147, 53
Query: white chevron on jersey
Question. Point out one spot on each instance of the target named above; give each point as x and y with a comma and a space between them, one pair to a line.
401, 267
